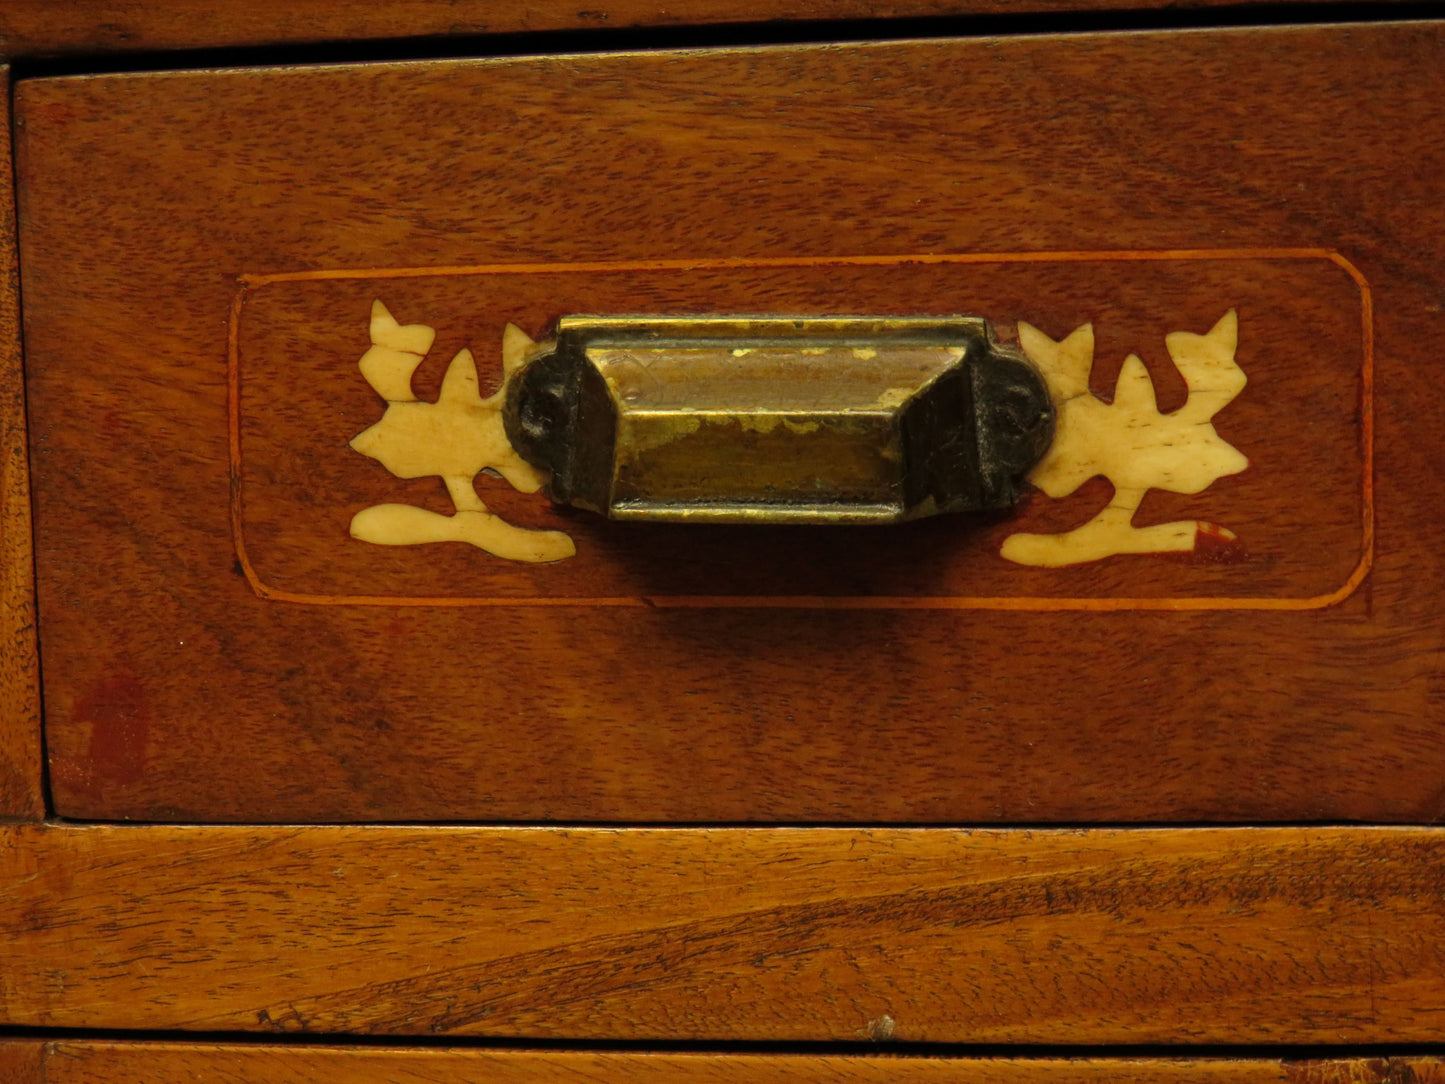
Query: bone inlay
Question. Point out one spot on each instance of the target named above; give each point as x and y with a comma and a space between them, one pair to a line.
1130, 443
455, 438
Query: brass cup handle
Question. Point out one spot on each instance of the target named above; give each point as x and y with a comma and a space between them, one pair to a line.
779, 420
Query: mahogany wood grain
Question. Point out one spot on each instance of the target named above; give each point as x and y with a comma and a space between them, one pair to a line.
82, 1062
1303, 341
22, 1061
43, 27
174, 692
1250, 935
21, 794
1365, 1071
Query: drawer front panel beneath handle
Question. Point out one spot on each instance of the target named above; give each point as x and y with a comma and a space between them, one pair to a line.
292, 567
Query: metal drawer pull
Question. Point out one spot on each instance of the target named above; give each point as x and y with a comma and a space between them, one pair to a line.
778, 420
807, 420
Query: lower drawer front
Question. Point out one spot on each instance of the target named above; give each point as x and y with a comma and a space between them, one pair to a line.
653, 935
202, 254
82, 1062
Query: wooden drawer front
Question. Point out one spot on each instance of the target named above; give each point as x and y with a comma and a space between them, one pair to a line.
652, 935
201, 252
89, 1062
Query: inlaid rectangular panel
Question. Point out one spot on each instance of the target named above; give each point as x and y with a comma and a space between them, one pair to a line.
1218, 600
1304, 336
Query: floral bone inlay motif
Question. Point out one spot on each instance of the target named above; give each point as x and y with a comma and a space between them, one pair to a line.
455, 438
1130, 443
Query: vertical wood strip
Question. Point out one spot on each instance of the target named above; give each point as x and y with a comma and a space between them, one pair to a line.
21, 793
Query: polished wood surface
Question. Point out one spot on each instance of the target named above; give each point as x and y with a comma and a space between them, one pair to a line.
21, 796
1249, 935
44, 28
72, 1062
162, 213
22, 1061
1304, 340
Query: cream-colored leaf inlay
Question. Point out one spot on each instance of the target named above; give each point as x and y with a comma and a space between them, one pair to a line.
1130, 443
456, 438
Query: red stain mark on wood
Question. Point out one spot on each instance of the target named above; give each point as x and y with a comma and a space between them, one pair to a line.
1217, 546
118, 713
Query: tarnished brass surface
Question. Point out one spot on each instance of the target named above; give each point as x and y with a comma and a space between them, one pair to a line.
777, 420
